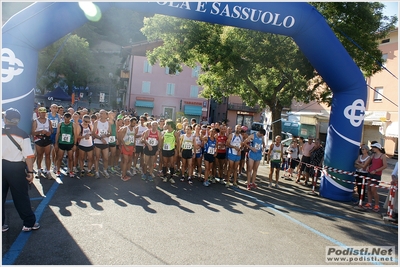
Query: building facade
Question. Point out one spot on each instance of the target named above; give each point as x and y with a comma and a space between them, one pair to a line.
382, 112
234, 111
381, 115
153, 89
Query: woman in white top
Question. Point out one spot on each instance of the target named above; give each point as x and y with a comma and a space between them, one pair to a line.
361, 164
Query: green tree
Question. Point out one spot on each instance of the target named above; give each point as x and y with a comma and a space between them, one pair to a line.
262, 68
65, 61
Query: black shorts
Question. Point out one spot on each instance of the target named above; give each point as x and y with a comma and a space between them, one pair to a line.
374, 176
293, 163
153, 151
112, 145
86, 148
221, 155
43, 142
187, 153
168, 153
102, 146
139, 150
65, 147
303, 166
209, 157
243, 155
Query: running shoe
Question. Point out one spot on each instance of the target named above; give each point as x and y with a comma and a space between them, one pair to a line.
206, 183
58, 174
190, 180
277, 186
106, 174
228, 184
112, 169
28, 229
71, 174
235, 185
82, 172
129, 173
90, 173
134, 172
171, 180
48, 175
368, 206
144, 177
150, 178
182, 179
376, 208
165, 179
249, 187
75, 169
253, 185
97, 175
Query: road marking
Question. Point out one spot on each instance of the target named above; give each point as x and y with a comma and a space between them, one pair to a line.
273, 207
19, 243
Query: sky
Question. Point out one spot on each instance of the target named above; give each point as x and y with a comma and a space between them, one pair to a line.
392, 8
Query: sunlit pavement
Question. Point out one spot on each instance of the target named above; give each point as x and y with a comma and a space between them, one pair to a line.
111, 222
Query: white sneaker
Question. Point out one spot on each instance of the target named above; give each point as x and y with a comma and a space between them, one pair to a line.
97, 175
172, 181
106, 174
129, 173
74, 169
133, 172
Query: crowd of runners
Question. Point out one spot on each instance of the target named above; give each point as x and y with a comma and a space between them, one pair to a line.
127, 145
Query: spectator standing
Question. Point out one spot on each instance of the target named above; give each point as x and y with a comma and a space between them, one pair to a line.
17, 170
316, 159
305, 160
361, 166
377, 163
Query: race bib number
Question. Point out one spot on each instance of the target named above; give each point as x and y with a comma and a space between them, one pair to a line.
139, 142
131, 139
276, 156
66, 137
187, 145
198, 150
257, 146
112, 139
54, 123
103, 132
167, 147
152, 141
211, 150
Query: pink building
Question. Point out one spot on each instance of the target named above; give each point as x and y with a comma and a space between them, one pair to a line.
154, 90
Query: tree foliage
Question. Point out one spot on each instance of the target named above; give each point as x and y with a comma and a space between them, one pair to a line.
65, 61
264, 68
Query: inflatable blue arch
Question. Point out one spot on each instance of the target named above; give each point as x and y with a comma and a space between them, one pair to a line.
43, 23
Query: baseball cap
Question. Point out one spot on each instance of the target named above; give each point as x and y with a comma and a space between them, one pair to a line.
42, 109
377, 145
12, 115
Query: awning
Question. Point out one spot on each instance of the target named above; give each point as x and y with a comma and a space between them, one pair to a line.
146, 104
193, 110
393, 130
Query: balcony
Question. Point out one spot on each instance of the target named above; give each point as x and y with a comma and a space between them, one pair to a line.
243, 107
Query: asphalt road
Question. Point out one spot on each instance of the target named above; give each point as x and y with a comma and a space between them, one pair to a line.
111, 222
